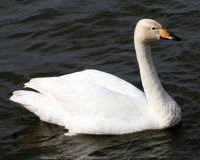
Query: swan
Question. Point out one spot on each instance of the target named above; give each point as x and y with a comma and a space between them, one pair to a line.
95, 102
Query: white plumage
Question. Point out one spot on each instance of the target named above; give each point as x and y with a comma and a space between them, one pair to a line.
95, 102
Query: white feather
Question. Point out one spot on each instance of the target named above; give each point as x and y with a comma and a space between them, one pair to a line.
95, 102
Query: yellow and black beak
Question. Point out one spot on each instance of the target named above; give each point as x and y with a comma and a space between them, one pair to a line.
164, 34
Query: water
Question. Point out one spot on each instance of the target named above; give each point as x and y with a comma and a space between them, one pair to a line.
56, 37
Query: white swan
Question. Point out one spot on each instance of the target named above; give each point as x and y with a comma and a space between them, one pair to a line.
95, 102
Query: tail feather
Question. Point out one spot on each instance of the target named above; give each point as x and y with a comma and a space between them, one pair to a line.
44, 107
24, 97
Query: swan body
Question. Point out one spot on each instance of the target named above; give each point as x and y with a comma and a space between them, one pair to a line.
95, 102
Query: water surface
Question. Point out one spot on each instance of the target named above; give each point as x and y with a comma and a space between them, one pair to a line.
56, 37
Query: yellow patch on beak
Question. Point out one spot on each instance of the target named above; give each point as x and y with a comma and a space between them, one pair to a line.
164, 34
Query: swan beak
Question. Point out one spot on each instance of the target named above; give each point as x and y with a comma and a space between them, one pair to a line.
164, 34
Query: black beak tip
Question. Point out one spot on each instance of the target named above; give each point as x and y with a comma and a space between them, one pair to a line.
175, 38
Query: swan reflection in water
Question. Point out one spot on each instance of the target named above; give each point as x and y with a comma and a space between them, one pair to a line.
144, 144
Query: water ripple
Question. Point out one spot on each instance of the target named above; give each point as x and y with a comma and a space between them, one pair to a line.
52, 38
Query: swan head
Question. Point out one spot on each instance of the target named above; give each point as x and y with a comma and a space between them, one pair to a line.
148, 30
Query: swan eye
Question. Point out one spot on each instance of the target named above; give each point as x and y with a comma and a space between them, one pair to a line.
153, 28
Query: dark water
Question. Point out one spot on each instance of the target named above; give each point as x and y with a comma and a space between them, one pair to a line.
56, 37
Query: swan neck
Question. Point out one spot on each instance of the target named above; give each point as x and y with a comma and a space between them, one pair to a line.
161, 105
150, 81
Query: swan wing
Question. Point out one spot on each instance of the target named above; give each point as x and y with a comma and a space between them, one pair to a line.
106, 80
84, 107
